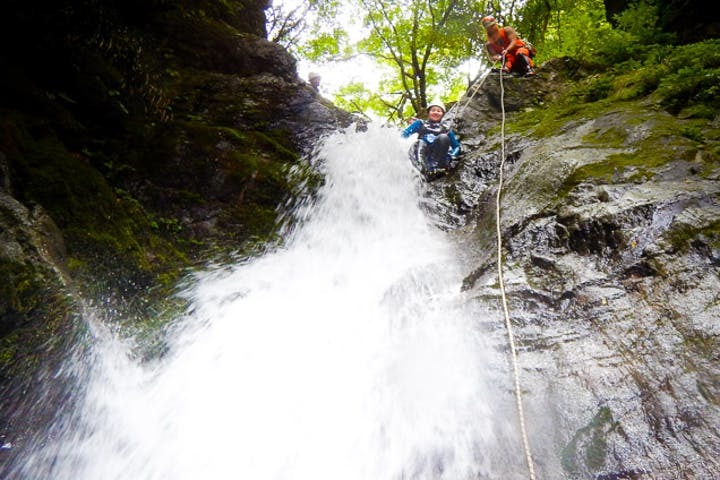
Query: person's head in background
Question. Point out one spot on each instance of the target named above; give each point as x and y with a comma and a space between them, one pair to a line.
314, 79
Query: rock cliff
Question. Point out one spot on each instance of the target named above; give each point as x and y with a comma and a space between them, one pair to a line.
611, 260
135, 142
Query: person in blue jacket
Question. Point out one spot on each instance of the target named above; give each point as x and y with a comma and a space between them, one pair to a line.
436, 145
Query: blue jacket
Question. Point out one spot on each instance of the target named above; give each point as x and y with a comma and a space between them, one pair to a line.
427, 131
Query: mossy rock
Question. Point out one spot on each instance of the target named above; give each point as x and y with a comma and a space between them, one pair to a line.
588, 449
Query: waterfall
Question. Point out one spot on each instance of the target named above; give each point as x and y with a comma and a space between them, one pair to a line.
347, 352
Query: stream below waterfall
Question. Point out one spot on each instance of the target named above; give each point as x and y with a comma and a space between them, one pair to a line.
347, 352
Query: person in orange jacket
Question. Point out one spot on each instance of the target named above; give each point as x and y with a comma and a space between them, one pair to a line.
503, 43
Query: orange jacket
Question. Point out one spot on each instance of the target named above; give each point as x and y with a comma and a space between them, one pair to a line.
501, 43
512, 48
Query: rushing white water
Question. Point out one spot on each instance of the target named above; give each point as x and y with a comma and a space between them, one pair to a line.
345, 354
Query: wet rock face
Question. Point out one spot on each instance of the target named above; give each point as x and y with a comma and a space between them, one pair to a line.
35, 302
613, 283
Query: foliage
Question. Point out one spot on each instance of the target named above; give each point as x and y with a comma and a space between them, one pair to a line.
425, 43
580, 29
325, 46
566, 28
685, 78
357, 98
306, 28
640, 20
286, 24
694, 79
422, 42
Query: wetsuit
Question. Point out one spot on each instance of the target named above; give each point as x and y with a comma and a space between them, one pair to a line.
435, 141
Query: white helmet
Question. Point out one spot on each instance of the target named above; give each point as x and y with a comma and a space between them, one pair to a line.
436, 104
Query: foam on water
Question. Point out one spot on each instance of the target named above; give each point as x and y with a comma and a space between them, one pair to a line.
344, 354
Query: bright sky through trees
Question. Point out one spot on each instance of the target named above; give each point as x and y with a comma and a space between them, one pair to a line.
334, 74
379, 55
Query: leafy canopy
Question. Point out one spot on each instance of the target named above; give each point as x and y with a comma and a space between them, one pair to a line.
422, 47
423, 43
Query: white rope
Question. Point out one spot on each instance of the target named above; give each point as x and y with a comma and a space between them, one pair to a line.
501, 280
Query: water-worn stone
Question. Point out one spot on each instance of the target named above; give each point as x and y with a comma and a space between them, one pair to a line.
613, 286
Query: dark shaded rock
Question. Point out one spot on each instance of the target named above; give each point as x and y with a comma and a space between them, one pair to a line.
136, 140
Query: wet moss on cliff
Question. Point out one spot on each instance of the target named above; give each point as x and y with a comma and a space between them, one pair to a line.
632, 111
703, 238
685, 81
34, 305
589, 446
637, 160
99, 225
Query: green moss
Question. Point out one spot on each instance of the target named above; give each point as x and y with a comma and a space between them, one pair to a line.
684, 236
34, 309
664, 142
707, 112
8, 350
589, 443
19, 286
555, 117
684, 80
107, 231
636, 83
596, 87
273, 141
614, 136
96, 143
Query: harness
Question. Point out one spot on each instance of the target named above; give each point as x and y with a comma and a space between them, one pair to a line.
430, 130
